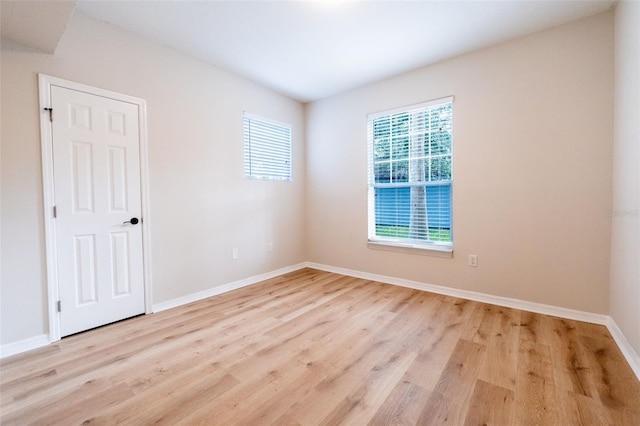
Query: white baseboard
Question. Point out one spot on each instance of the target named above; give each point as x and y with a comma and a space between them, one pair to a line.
524, 305
625, 347
194, 297
24, 345
627, 350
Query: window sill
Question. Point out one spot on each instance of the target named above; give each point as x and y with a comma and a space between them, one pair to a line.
435, 251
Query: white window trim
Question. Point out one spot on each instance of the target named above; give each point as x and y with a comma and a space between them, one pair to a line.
443, 250
446, 251
288, 126
407, 108
268, 120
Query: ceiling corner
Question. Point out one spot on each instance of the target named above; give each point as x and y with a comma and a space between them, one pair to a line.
36, 24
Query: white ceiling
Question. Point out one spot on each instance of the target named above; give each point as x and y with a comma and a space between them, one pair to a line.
313, 49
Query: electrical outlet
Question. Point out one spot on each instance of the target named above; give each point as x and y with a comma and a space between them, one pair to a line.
234, 254
270, 247
473, 260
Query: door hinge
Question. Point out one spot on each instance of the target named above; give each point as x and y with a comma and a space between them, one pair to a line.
55, 211
59, 306
50, 113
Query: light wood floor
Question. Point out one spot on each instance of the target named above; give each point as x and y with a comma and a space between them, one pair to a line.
313, 348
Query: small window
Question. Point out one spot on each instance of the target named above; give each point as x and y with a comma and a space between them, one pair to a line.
410, 176
267, 149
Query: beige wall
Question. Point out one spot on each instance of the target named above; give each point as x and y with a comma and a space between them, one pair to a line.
533, 166
625, 238
201, 205
532, 169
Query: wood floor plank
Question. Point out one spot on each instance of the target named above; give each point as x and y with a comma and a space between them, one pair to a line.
350, 363
271, 409
362, 403
572, 372
502, 344
616, 385
451, 397
136, 356
480, 323
71, 407
174, 400
403, 406
536, 395
285, 421
535, 328
450, 320
313, 347
490, 405
581, 409
250, 395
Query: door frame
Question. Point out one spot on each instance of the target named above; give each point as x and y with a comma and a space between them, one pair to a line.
45, 82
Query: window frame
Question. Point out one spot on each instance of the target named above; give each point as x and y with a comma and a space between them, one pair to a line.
398, 244
248, 143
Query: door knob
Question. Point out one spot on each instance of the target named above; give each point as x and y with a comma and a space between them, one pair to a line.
133, 221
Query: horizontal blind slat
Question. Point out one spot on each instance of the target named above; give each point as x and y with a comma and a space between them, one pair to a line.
267, 149
409, 174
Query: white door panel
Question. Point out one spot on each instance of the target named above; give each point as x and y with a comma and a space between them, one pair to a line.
97, 188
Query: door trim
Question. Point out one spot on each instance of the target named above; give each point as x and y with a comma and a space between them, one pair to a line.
44, 83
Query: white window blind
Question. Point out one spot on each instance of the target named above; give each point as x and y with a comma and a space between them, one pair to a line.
410, 175
267, 148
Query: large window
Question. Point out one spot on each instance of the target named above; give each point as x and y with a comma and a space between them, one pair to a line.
410, 175
267, 148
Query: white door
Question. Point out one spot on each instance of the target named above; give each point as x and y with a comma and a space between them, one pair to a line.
96, 161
